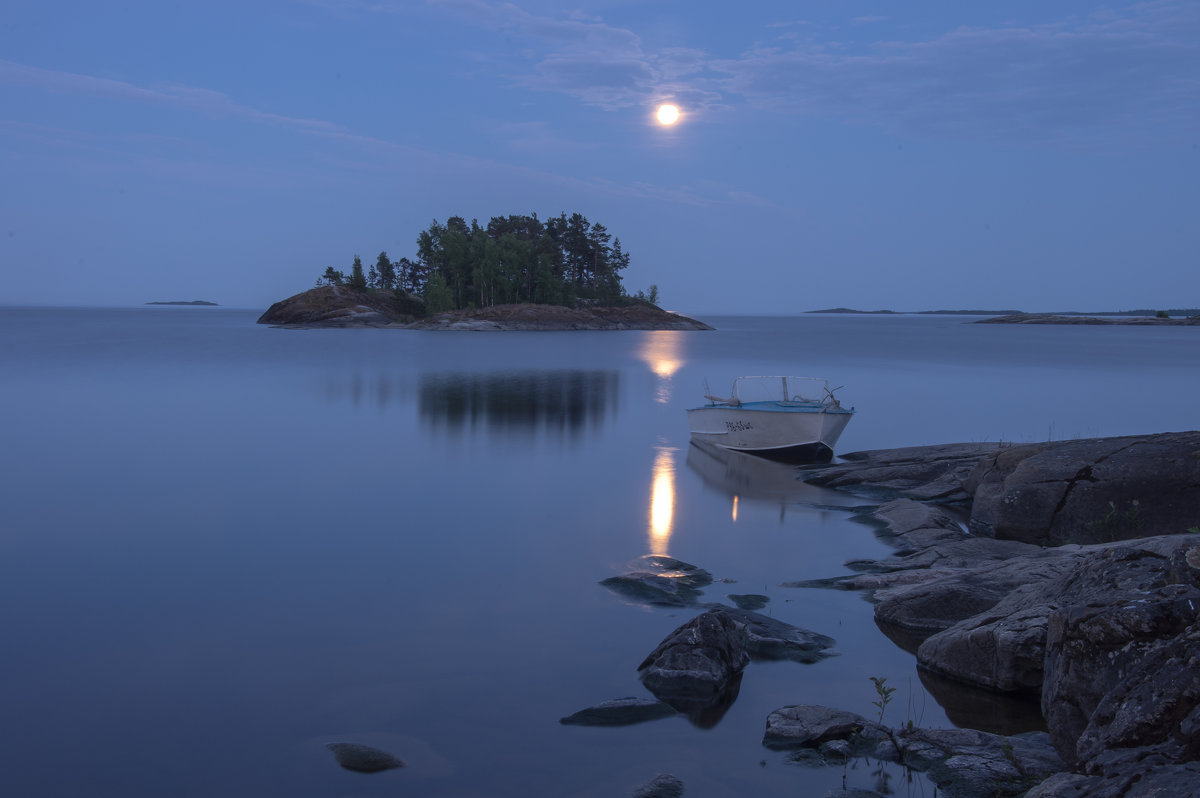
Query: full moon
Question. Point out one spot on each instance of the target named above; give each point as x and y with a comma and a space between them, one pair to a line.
668, 114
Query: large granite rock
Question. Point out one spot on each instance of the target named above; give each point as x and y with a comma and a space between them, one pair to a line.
1093, 490
1121, 661
1003, 647
620, 712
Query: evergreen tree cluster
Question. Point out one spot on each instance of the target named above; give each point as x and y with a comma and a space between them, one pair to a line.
565, 260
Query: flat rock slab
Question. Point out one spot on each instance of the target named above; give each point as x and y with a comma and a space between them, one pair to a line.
620, 712
363, 758
928, 473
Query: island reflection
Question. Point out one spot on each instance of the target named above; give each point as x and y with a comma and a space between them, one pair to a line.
518, 403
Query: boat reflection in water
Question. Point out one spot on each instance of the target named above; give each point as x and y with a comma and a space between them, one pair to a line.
662, 500
756, 480
558, 403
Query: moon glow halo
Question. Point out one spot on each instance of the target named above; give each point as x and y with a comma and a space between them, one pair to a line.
667, 114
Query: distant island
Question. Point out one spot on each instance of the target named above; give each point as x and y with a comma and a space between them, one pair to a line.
1179, 313
516, 273
1163, 320
192, 302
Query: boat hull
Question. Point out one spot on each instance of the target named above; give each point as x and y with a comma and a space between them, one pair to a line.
771, 430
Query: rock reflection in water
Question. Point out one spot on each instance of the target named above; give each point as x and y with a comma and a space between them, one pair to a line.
706, 711
559, 402
970, 707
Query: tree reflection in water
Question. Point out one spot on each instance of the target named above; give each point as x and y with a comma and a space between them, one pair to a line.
522, 403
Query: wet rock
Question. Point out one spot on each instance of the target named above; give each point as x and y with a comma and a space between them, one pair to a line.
660, 580
965, 762
664, 785
808, 726
620, 712
770, 639
363, 758
961, 762
698, 658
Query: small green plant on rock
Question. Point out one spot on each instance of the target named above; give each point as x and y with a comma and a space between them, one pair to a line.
885, 695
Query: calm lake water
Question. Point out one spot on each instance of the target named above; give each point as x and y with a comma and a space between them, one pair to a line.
224, 545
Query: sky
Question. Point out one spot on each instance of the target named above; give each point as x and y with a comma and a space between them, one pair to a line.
920, 155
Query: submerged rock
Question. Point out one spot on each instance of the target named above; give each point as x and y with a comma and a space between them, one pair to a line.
363, 758
620, 712
748, 601
664, 785
661, 580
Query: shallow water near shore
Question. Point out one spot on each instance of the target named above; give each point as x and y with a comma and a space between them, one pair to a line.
225, 545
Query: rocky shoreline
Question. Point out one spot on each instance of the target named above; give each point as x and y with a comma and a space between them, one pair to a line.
1078, 584
1055, 584
339, 307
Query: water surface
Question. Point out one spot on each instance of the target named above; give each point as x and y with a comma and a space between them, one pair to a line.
224, 545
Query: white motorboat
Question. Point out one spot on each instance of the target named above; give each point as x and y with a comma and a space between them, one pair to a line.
785, 418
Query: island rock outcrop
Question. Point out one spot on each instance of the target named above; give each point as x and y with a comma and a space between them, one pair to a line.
342, 306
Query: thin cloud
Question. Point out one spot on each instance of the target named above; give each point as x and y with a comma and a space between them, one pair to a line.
189, 98
1135, 71
1115, 72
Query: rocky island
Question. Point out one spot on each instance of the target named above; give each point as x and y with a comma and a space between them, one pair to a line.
343, 306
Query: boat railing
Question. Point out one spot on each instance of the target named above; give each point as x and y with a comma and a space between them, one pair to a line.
785, 390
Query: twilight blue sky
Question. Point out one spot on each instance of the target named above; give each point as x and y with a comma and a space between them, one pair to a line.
917, 155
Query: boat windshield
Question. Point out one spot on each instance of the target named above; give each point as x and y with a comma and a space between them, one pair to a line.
780, 389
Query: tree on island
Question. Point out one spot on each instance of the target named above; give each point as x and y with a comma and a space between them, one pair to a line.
565, 260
